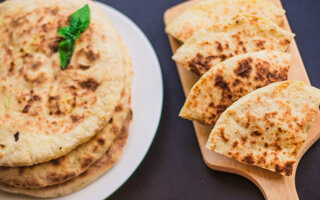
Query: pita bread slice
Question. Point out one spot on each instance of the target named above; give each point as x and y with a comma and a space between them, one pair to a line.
229, 80
243, 34
267, 127
210, 12
96, 170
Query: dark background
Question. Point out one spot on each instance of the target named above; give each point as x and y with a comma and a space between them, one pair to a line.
173, 168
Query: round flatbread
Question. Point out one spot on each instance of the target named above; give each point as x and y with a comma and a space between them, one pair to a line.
45, 112
80, 159
96, 170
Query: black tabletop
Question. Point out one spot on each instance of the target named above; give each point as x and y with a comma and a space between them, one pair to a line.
173, 168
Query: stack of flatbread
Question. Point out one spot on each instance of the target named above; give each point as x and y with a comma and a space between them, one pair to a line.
238, 50
59, 129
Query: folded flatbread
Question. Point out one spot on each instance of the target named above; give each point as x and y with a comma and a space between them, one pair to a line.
242, 34
267, 127
210, 12
229, 80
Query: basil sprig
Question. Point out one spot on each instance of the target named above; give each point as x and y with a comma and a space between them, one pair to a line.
79, 22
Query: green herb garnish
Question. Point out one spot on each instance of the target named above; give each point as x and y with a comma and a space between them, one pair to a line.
79, 22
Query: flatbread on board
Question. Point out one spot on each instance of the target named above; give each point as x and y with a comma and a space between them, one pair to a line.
222, 85
242, 34
210, 12
267, 127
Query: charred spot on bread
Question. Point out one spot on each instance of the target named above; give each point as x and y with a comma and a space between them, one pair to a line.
89, 84
248, 159
101, 141
16, 136
244, 67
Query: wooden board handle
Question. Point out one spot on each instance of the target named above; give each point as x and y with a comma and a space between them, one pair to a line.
282, 189
272, 185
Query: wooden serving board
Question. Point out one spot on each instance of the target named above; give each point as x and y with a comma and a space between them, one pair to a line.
272, 185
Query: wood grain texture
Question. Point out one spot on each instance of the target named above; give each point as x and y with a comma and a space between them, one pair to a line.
272, 185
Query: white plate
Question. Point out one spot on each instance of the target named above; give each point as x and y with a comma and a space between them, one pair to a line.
147, 99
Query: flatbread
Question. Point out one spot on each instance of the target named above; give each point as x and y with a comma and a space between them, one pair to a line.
96, 170
79, 159
243, 34
267, 127
210, 12
229, 80
45, 112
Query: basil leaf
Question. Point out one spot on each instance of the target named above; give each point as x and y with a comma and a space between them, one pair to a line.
80, 20
65, 32
75, 36
66, 49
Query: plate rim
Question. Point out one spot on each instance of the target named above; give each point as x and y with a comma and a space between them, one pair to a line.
156, 59
141, 157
